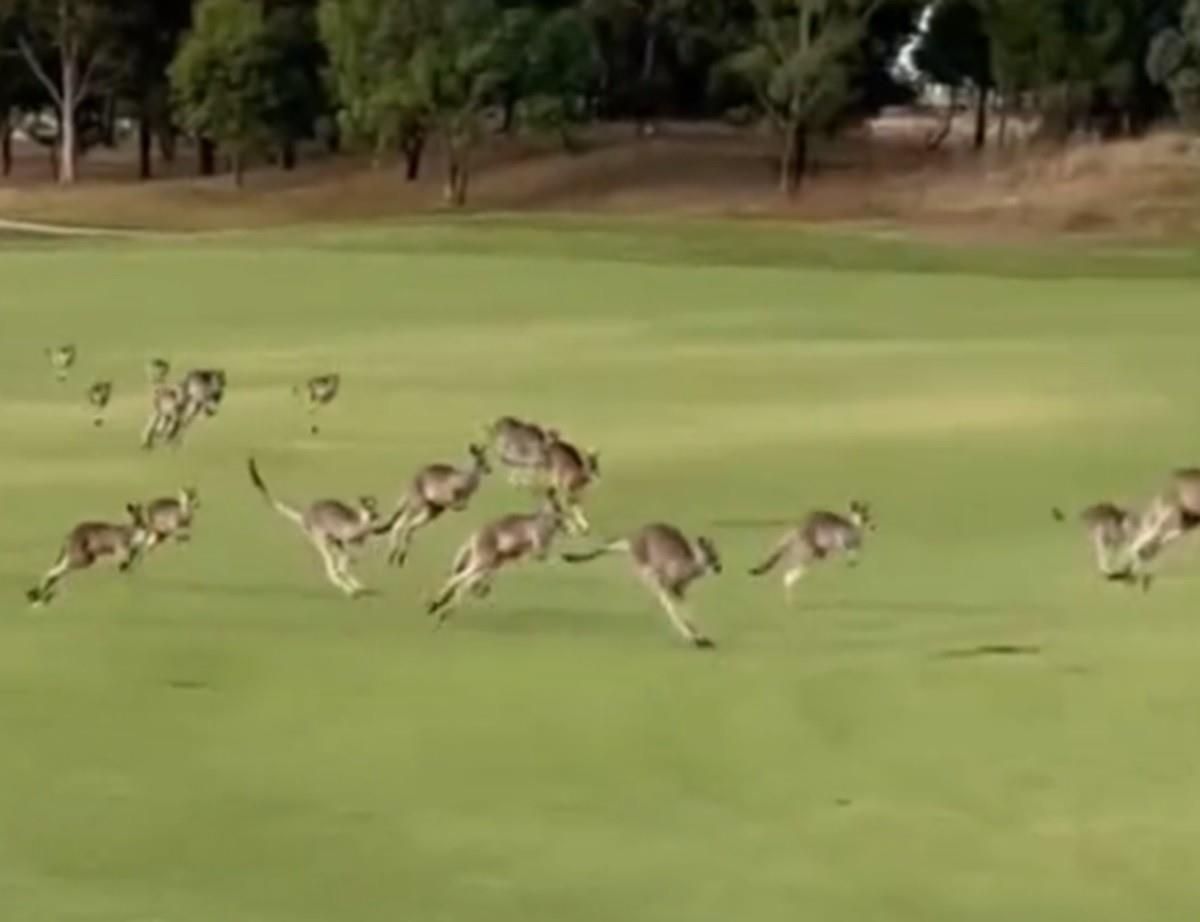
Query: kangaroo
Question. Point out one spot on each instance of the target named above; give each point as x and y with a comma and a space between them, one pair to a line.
521, 446
89, 542
333, 527
1111, 529
505, 541
62, 358
822, 534
203, 389
318, 392
434, 489
171, 517
98, 395
167, 403
1169, 516
568, 472
157, 371
668, 563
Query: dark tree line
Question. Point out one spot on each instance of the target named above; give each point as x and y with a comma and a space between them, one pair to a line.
256, 79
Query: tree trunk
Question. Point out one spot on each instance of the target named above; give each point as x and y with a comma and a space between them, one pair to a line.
413, 147
236, 162
645, 105
287, 155
6, 149
166, 140
145, 142
206, 151
981, 117
108, 121
457, 177
1002, 128
509, 120
794, 162
68, 148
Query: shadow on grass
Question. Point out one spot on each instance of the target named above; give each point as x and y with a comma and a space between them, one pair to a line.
989, 650
906, 608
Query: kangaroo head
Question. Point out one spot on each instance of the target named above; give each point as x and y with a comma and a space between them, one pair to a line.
137, 518
479, 454
860, 514
158, 369
708, 551
368, 508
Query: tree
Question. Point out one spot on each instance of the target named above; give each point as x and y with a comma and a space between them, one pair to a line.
65, 44
294, 61
371, 45
798, 61
220, 79
148, 34
954, 50
1173, 62
455, 74
558, 68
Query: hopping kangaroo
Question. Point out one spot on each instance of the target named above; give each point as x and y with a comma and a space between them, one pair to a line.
61, 359
434, 489
202, 389
157, 371
504, 541
171, 517
1170, 515
99, 395
821, 535
568, 472
318, 392
167, 403
520, 446
668, 563
1111, 530
89, 542
333, 527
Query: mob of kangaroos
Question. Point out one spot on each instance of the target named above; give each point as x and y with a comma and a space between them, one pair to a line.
1125, 541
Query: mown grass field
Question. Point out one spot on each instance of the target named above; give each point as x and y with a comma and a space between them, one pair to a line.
221, 737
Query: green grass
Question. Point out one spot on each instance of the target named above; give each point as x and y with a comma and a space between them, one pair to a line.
220, 737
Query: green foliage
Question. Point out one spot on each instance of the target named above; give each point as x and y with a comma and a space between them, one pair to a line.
371, 44
294, 59
799, 63
221, 78
1173, 61
559, 69
456, 72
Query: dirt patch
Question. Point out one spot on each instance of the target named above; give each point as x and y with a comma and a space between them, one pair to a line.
882, 175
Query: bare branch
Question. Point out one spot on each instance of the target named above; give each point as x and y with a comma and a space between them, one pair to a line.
85, 82
38, 71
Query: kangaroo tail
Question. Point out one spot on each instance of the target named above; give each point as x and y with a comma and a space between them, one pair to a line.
390, 522
613, 547
288, 512
769, 564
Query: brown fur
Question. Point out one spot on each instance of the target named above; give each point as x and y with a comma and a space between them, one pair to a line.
435, 489
821, 535
89, 542
668, 563
498, 544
